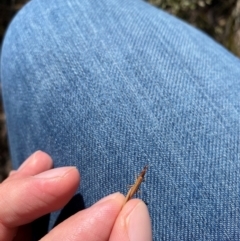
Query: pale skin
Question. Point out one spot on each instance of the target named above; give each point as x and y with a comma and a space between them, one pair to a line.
32, 191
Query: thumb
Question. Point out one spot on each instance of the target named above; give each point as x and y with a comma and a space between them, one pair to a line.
91, 224
133, 223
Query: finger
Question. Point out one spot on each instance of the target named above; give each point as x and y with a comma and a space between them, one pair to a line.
7, 234
133, 223
38, 162
26, 199
92, 224
16, 234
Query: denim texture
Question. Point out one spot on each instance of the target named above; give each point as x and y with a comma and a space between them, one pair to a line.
110, 86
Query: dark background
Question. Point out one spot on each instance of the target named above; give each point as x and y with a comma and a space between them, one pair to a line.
218, 18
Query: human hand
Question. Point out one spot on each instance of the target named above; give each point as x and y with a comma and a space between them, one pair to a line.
34, 190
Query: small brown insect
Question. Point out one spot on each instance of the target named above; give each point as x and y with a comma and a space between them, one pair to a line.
136, 185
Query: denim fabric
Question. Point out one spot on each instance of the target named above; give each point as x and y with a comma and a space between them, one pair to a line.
113, 85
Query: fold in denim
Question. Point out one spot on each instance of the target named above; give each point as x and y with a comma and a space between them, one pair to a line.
111, 86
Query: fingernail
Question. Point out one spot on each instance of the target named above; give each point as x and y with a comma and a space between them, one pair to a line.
30, 159
109, 197
139, 224
54, 173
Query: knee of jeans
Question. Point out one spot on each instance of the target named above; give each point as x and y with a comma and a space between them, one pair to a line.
47, 42
33, 42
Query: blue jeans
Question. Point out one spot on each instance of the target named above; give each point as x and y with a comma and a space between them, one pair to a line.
110, 86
